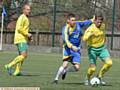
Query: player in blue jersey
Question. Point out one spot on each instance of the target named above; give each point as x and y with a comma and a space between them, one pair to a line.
71, 36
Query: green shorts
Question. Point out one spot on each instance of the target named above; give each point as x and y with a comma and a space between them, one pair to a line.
22, 47
100, 52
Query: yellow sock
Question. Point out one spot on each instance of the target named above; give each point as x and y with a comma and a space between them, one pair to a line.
105, 68
16, 60
18, 68
90, 72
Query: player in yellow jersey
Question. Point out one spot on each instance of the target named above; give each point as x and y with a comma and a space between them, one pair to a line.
95, 38
21, 39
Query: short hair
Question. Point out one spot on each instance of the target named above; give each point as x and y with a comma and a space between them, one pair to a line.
99, 14
70, 15
25, 6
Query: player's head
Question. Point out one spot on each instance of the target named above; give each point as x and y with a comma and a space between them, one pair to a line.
26, 9
71, 19
98, 19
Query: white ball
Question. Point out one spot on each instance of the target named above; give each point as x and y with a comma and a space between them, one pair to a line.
95, 81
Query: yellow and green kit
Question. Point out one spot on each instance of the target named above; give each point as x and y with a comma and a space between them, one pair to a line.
21, 33
95, 38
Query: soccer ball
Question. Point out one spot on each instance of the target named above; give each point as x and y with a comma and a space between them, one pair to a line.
95, 81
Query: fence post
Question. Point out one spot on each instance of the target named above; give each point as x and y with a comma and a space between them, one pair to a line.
113, 22
54, 23
36, 37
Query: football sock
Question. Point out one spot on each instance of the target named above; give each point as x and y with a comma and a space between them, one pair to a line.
59, 73
90, 72
105, 68
18, 59
18, 68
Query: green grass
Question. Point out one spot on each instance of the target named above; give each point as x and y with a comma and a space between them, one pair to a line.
40, 69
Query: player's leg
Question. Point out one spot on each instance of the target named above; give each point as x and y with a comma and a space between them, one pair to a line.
23, 52
105, 68
61, 70
22, 47
18, 65
105, 57
73, 68
92, 65
17, 71
75, 61
90, 72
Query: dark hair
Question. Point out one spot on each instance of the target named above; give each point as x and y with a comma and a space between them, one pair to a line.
99, 15
70, 15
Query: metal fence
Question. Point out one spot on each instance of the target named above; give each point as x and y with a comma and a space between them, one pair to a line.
50, 15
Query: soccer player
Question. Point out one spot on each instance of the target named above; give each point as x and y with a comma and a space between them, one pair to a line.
95, 38
21, 39
71, 36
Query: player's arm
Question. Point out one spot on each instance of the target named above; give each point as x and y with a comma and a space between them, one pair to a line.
98, 34
86, 22
88, 33
69, 44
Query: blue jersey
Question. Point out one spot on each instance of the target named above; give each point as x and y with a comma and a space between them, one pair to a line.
72, 35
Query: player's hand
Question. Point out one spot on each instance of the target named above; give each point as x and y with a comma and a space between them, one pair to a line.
95, 33
93, 19
74, 48
98, 34
30, 37
91, 34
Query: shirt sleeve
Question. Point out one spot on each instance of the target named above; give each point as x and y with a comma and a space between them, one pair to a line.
85, 23
69, 44
21, 26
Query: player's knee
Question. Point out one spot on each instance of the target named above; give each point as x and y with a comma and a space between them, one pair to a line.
77, 67
24, 54
21, 58
65, 67
93, 69
109, 62
65, 64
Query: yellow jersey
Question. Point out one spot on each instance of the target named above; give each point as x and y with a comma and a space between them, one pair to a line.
97, 39
22, 29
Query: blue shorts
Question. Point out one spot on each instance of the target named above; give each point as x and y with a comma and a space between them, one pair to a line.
70, 55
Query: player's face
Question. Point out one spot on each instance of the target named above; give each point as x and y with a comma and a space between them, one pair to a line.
71, 21
98, 22
27, 10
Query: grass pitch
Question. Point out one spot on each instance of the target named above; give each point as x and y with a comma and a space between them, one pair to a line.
40, 69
